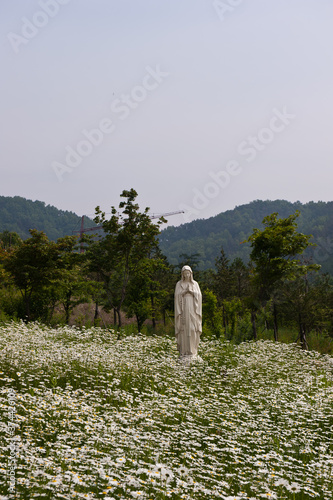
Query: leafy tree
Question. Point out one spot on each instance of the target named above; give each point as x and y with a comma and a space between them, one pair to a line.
232, 309
306, 304
192, 260
161, 284
223, 277
73, 287
275, 251
36, 267
212, 316
130, 236
9, 240
32, 267
240, 274
145, 290
9, 299
96, 293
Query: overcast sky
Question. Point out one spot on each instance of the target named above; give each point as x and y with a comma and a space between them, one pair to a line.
198, 105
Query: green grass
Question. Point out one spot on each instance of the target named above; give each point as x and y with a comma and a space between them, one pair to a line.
96, 417
322, 343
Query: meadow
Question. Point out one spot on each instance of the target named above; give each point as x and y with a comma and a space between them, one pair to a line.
85, 415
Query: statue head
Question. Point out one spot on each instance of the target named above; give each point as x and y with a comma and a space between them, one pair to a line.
187, 274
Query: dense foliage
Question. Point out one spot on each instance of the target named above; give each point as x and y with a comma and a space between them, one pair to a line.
124, 257
123, 272
230, 229
20, 215
203, 237
87, 416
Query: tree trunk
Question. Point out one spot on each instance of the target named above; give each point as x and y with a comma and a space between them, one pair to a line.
67, 315
302, 333
67, 310
117, 327
139, 322
153, 319
254, 326
275, 323
27, 307
224, 321
96, 312
51, 311
119, 317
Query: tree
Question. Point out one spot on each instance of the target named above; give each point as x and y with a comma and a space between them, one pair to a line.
306, 304
212, 317
192, 260
9, 300
130, 236
9, 240
145, 290
36, 268
240, 277
275, 251
161, 284
222, 278
232, 309
72, 287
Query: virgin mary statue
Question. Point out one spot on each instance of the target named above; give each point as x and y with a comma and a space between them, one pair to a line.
188, 315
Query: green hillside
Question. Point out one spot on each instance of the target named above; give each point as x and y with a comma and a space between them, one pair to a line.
203, 236
19, 215
229, 229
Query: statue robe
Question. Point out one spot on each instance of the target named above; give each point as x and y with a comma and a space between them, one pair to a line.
188, 319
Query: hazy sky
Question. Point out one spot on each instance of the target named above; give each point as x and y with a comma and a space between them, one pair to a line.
199, 105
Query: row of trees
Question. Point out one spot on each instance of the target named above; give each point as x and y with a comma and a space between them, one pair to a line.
277, 288
125, 271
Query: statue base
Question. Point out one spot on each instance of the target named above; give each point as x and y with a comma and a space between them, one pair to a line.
186, 359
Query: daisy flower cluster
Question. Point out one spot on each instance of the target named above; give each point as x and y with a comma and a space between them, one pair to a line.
85, 415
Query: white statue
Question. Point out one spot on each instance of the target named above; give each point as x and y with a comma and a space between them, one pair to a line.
188, 314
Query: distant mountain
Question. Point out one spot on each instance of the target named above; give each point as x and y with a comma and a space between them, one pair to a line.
203, 236
229, 229
19, 215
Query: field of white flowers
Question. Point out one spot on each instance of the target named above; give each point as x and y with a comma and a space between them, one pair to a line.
85, 415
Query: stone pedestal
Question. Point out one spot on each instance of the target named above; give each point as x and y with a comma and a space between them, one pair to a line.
187, 359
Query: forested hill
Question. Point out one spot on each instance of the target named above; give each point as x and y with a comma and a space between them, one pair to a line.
229, 229
19, 215
204, 236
